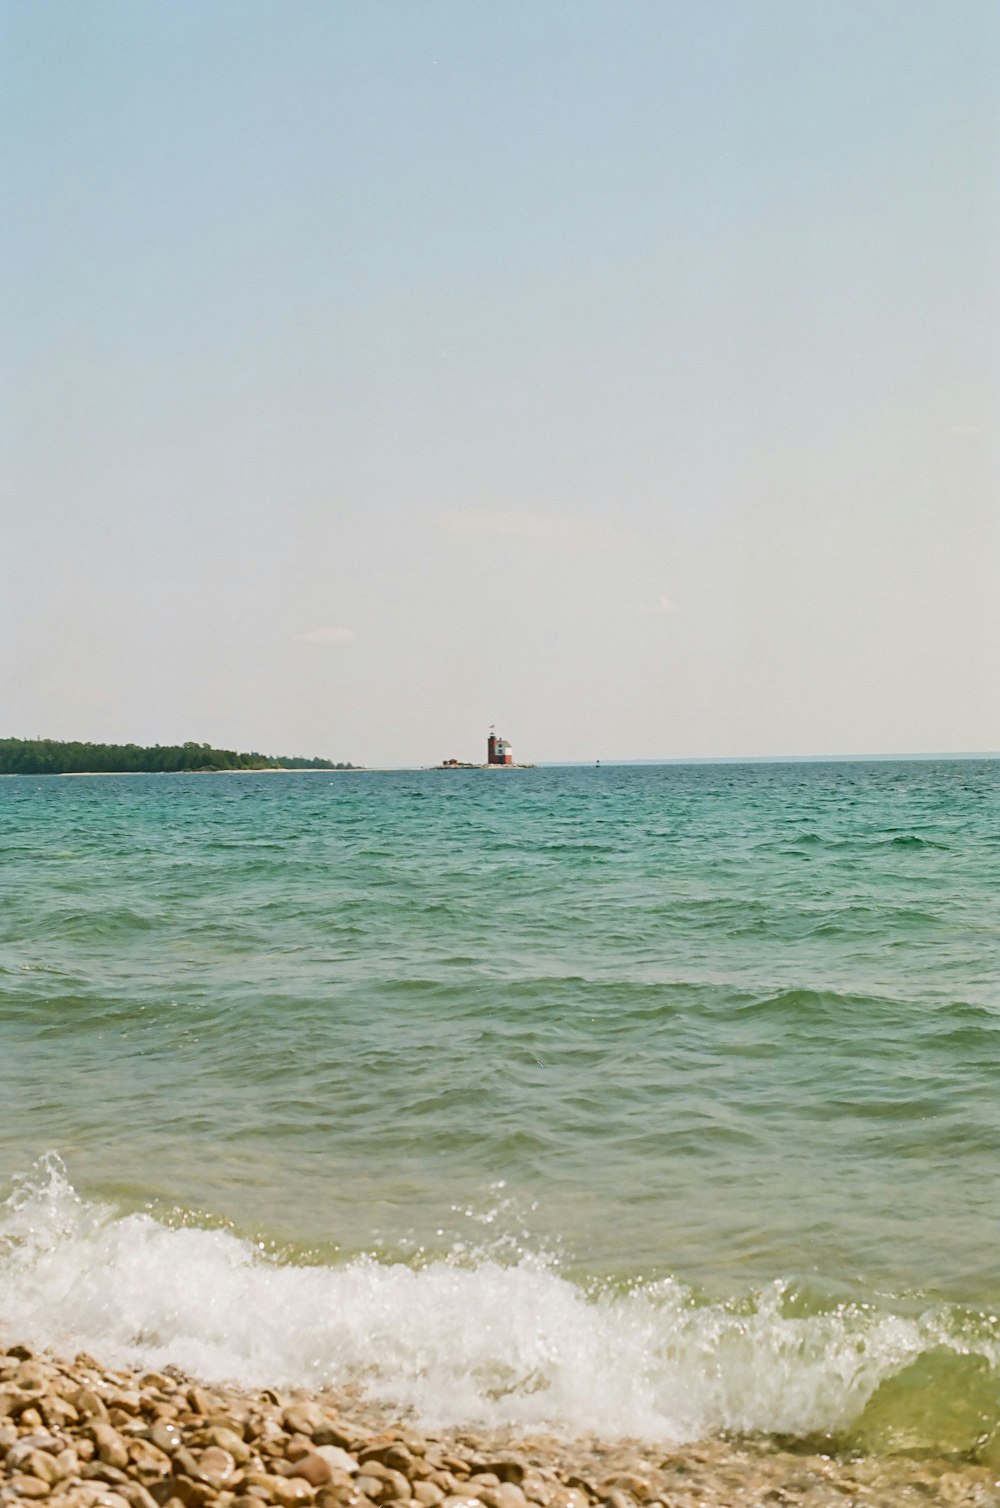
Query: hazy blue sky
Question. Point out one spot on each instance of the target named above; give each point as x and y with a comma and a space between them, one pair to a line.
625, 374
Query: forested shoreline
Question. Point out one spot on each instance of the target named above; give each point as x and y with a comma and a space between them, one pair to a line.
48, 756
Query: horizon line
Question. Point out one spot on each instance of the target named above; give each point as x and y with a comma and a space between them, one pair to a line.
690, 759
907, 757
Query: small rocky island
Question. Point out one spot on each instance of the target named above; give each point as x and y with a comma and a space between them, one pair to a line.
499, 756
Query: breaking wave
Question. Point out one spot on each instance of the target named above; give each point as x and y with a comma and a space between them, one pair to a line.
483, 1338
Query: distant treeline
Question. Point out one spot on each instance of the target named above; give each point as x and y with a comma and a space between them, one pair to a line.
48, 756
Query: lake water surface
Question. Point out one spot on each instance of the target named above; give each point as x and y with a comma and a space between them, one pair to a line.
655, 1100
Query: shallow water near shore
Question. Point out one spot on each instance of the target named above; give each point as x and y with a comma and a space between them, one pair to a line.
650, 1101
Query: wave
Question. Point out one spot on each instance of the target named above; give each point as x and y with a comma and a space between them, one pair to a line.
88, 925
490, 1337
855, 841
912, 840
808, 1007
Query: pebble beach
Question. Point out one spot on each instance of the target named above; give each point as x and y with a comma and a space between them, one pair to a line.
75, 1435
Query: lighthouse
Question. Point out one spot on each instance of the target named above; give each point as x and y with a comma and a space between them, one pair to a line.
498, 750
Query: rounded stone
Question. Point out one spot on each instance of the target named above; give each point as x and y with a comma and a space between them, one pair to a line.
297, 1445
166, 1437
200, 1402
215, 1466
395, 1456
90, 1404
428, 1494
292, 1491
340, 1495
328, 1432
29, 1487
111, 1447
536, 1489
228, 1440
68, 1462
337, 1459
229, 1421
260, 1483
38, 1463
128, 1400
185, 1462
504, 1495
396, 1487
617, 1498
148, 1459
97, 1471
137, 1496
628, 1481
301, 1419
21, 1449
316, 1471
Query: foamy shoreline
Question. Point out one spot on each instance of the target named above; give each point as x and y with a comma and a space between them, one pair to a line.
77, 1435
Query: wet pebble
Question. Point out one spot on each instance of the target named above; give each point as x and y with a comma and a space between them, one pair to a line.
28, 1486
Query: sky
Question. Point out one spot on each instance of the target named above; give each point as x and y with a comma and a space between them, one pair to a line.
622, 373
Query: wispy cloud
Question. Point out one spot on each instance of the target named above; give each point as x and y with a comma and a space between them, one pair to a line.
540, 528
327, 636
662, 605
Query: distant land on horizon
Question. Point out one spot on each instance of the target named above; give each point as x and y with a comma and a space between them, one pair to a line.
49, 756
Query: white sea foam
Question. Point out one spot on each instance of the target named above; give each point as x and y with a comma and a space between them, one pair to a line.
459, 1341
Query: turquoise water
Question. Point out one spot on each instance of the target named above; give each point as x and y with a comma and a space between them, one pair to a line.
654, 1099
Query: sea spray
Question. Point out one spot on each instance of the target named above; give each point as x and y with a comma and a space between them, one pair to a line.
463, 1340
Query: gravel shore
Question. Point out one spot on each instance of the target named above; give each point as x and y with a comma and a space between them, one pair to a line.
75, 1435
